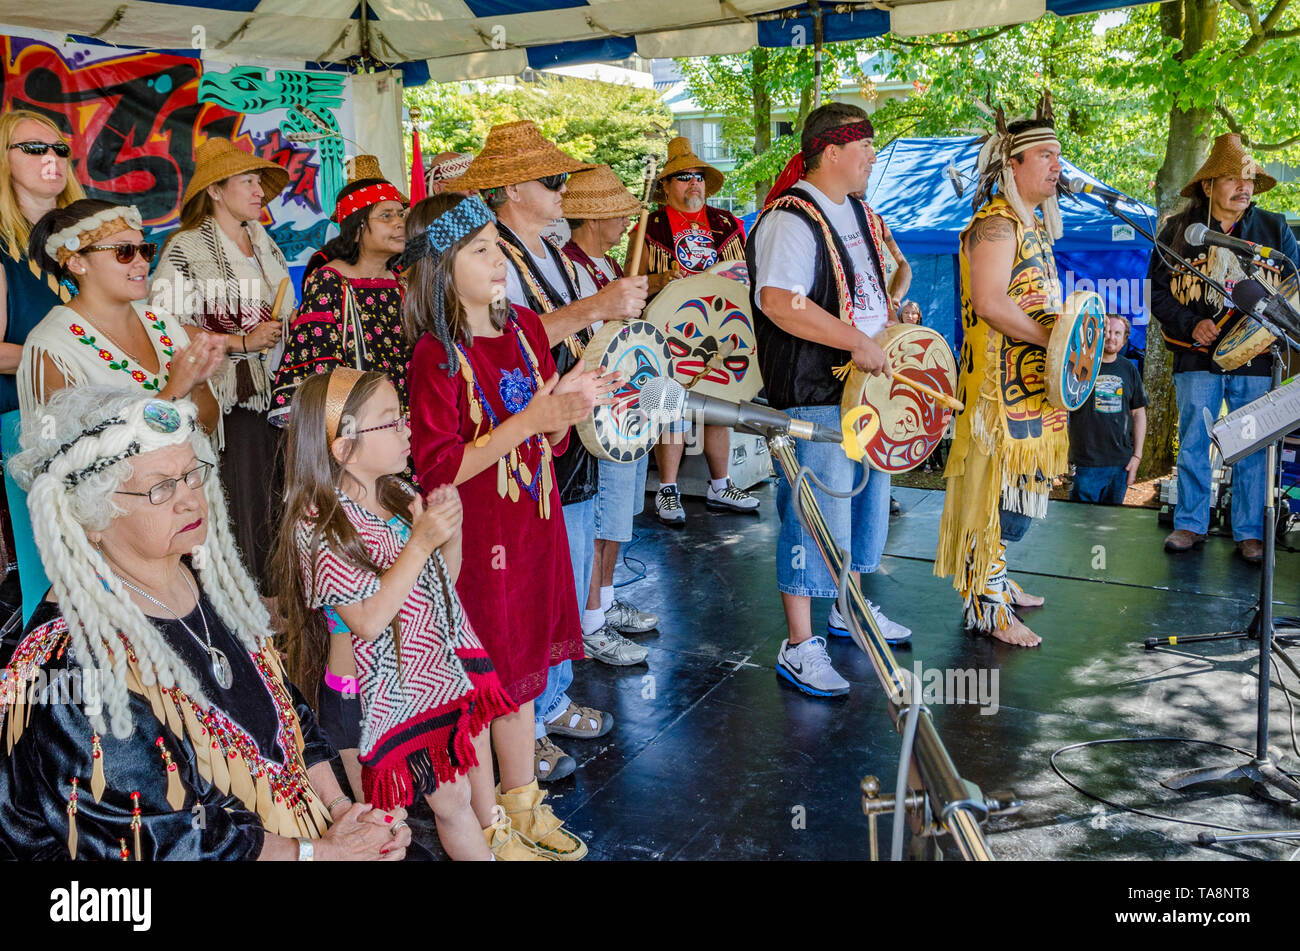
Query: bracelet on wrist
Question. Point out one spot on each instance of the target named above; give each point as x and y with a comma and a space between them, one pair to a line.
330, 807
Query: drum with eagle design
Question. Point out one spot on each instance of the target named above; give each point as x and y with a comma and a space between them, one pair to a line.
710, 331
637, 351
898, 426
1074, 350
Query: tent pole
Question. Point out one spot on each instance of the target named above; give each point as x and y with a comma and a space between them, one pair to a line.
817, 52
363, 8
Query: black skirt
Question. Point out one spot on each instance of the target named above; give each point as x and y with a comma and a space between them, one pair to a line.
252, 475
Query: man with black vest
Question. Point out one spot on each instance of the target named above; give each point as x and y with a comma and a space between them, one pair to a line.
522, 178
818, 298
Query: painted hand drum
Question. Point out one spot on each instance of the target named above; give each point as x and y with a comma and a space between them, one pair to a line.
1246, 339
903, 425
637, 351
710, 335
1074, 351
731, 270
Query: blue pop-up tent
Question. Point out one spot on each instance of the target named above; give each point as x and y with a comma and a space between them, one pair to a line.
911, 188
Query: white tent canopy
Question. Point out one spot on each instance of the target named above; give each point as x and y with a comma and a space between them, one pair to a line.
468, 39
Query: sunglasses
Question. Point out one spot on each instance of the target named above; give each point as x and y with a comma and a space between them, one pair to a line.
554, 182
688, 177
61, 149
126, 252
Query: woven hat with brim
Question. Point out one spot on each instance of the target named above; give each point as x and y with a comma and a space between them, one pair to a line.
218, 159
681, 158
1228, 159
514, 152
598, 194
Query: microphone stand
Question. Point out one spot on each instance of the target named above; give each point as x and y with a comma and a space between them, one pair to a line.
955, 804
1263, 770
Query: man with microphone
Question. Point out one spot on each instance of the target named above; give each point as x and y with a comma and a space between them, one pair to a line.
1193, 316
818, 297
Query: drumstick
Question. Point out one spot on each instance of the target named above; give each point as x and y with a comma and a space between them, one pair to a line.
279, 296
943, 399
634, 262
727, 349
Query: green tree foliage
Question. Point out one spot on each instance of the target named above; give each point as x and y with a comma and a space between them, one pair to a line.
620, 126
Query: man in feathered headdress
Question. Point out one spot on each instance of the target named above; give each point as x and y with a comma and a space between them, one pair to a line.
1008, 443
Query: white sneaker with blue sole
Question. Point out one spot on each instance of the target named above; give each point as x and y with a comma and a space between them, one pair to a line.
808, 667
894, 632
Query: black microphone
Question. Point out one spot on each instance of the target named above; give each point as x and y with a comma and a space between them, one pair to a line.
664, 400
1252, 297
1076, 185
1198, 234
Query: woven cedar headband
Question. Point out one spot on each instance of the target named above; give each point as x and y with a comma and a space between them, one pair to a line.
353, 202
80, 234
340, 387
450, 226
840, 135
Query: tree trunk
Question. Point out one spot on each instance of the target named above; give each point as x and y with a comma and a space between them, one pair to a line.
1195, 22
762, 115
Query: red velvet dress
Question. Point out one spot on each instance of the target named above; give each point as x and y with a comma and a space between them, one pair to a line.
516, 579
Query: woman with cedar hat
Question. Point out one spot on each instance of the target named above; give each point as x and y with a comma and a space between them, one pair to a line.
351, 312
222, 272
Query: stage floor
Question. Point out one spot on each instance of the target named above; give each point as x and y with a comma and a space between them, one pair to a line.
713, 756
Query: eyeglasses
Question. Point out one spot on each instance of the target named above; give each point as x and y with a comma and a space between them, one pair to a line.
554, 182
688, 177
163, 491
126, 252
400, 424
388, 217
61, 149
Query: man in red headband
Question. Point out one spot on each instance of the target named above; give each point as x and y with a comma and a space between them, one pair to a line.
818, 293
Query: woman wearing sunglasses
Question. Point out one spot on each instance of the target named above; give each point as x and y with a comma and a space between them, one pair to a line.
106, 334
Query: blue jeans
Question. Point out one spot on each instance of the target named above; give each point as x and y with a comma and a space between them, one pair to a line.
580, 524
620, 497
1103, 485
859, 525
1201, 389
1013, 524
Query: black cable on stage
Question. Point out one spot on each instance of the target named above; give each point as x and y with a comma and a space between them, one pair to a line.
1133, 809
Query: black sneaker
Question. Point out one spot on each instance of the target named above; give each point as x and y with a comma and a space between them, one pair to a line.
668, 507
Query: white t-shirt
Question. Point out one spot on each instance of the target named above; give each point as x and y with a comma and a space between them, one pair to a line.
785, 251
549, 268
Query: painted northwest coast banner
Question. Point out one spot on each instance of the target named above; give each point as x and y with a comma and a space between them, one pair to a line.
135, 119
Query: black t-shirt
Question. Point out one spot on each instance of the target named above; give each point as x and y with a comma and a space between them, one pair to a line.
1101, 431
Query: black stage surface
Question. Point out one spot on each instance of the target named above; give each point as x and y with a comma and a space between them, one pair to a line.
713, 756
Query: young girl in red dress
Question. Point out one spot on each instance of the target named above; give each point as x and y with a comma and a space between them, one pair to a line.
488, 410
351, 561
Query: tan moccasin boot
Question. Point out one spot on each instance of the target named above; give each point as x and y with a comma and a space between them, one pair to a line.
538, 825
507, 845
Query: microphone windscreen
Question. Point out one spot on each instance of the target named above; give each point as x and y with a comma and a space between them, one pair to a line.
1073, 185
1247, 295
662, 398
1195, 234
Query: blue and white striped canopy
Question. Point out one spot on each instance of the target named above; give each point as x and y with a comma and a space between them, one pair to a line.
469, 39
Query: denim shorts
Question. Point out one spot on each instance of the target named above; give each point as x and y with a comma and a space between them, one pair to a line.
860, 524
620, 497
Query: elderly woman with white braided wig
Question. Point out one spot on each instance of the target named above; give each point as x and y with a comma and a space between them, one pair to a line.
105, 334
145, 713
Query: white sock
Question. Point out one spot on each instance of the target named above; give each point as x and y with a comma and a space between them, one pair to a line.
606, 597
592, 621
718, 484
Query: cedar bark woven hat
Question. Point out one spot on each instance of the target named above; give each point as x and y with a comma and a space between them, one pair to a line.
681, 158
218, 159
598, 194
1229, 159
515, 152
